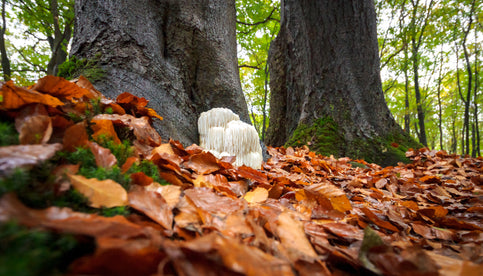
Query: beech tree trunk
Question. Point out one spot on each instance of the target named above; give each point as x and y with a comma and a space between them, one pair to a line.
325, 64
179, 54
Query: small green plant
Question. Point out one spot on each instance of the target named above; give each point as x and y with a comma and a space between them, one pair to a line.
121, 151
8, 134
25, 251
150, 169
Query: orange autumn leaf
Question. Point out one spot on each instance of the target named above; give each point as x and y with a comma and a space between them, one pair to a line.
14, 97
101, 193
104, 128
141, 179
141, 127
336, 196
62, 88
256, 196
82, 82
152, 204
75, 136
377, 221
137, 105
202, 163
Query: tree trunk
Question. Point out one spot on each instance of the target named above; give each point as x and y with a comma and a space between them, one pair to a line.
325, 83
3, 51
179, 54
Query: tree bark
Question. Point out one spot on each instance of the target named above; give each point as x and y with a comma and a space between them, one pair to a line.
325, 64
179, 54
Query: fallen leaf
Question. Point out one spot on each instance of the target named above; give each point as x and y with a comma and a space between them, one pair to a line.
377, 221
62, 88
104, 128
33, 125
15, 97
202, 163
292, 236
68, 221
256, 196
137, 105
151, 204
75, 136
25, 156
101, 193
104, 157
141, 179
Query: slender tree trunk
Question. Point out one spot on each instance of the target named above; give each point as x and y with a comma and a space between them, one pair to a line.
417, 92
458, 82
329, 71
7, 73
60, 40
179, 54
440, 108
476, 137
407, 116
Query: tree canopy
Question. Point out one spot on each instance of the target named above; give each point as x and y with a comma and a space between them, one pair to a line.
430, 54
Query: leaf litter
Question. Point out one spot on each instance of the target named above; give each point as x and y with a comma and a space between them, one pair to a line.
301, 214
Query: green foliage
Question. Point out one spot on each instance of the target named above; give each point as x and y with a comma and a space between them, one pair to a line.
8, 134
15, 182
75, 67
258, 22
25, 251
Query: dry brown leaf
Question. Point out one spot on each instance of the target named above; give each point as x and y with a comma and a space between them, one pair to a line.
136, 105
141, 179
75, 136
256, 196
202, 163
33, 125
141, 127
62, 88
66, 220
25, 156
104, 157
104, 128
14, 97
337, 197
101, 193
292, 235
151, 204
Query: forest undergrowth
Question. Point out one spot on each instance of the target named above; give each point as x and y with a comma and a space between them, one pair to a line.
87, 186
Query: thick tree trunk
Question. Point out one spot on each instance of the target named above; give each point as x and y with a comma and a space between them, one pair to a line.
179, 54
324, 69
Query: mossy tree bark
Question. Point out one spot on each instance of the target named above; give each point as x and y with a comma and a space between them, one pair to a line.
179, 54
325, 82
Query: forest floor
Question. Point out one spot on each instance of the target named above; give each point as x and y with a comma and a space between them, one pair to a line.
89, 188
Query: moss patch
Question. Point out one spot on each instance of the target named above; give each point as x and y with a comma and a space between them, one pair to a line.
89, 68
325, 137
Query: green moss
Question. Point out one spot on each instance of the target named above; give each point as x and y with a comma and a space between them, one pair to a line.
121, 151
150, 169
324, 137
25, 251
89, 68
8, 134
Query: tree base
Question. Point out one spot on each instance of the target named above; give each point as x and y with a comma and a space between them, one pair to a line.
324, 137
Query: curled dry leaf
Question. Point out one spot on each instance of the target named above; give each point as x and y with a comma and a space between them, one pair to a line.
141, 127
62, 88
151, 204
141, 179
15, 97
66, 220
101, 193
136, 105
202, 163
75, 136
23, 156
104, 157
104, 128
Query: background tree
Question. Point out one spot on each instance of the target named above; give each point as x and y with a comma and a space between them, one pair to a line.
325, 82
3, 48
181, 56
